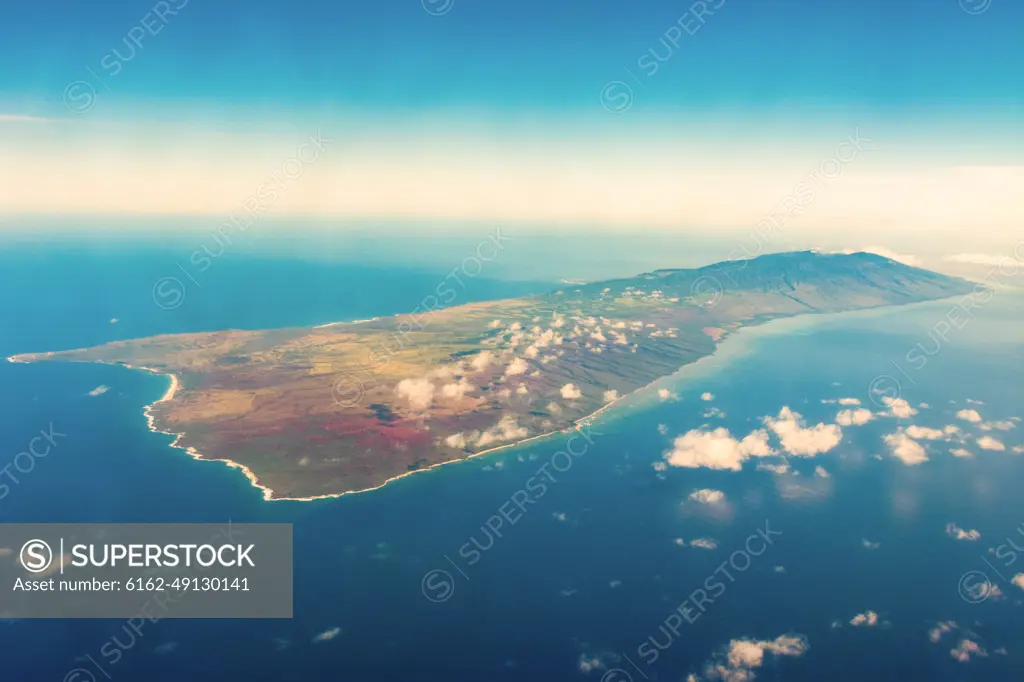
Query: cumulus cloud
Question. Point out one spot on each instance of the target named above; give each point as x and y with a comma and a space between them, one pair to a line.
868, 544
505, 430
327, 635
1018, 449
707, 396
898, 407
924, 433
456, 440
868, 619
99, 390
482, 360
941, 628
800, 440
820, 472
857, 417
990, 443
781, 468
1005, 425
666, 394
590, 663
1018, 580
969, 416
716, 449
704, 543
419, 392
456, 389
570, 392
960, 452
957, 533
906, 449
663, 429
611, 395
743, 656
517, 366
707, 496
965, 649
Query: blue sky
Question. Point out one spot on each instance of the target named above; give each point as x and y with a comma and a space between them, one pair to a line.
531, 54
552, 103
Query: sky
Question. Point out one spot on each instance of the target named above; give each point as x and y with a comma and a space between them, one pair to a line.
843, 118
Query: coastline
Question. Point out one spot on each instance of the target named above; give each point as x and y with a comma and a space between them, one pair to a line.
775, 326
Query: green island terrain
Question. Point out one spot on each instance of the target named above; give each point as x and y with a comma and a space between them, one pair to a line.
346, 407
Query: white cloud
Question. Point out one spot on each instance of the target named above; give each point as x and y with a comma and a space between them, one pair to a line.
961, 452
419, 392
1018, 449
590, 663
889, 253
774, 468
1018, 580
517, 366
821, 472
867, 619
957, 533
743, 656
906, 449
99, 390
704, 543
941, 628
663, 429
924, 433
666, 394
611, 395
456, 440
570, 392
505, 430
716, 449
976, 259
990, 443
707, 396
800, 440
965, 649
998, 425
707, 496
327, 635
840, 401
482, 360
898, 407
522, 389
456, 389
22, 118
857, 417
868, 544
969, 415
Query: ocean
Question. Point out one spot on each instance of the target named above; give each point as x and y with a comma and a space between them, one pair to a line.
421, 581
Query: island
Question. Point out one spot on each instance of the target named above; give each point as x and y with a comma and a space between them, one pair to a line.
347, 407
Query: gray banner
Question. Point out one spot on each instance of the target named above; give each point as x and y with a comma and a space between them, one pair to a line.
139, 570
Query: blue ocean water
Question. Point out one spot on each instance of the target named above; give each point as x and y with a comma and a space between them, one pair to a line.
423, 588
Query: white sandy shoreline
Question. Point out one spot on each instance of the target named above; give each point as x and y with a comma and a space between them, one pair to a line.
268, 493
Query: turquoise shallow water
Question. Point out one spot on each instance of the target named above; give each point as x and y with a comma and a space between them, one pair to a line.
424, 584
